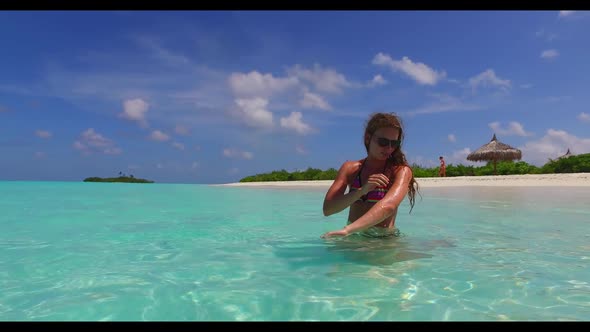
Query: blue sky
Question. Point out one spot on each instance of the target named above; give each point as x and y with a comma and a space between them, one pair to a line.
214, 96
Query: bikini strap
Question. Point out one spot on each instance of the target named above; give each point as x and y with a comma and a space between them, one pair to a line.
358, 175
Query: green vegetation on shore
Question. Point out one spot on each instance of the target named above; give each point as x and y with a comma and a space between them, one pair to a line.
574, 164
283, 175
121, 178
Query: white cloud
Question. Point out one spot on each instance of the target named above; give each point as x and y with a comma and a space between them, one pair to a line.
460, 157
79, 146
557, 99
178, 146
195, 164
584, 117
549, 36
300, 149
163, 54
418, 71
514, 129
43, 133
452, 138
324, 80
549, 54
377, 81
134, 110
255, 84
565, 13
233, 171
159, 136
422, 161
294, 122
91, 141
488, 78
526, 86
554, 144
236, 153
312, 100
254, 113
444, 103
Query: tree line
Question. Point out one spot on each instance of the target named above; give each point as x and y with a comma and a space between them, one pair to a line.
574, 164
121, 178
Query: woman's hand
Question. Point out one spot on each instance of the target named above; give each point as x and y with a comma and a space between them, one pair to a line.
374, 181
343, 232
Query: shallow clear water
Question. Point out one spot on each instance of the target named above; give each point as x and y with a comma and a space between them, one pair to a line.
106, 251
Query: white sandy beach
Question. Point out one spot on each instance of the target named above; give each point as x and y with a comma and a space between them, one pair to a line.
529, 180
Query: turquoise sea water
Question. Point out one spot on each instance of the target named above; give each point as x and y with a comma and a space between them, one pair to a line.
169, 252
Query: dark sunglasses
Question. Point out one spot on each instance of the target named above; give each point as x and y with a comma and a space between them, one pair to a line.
383, 142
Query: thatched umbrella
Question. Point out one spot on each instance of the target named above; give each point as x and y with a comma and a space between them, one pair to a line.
494, 151
566, 155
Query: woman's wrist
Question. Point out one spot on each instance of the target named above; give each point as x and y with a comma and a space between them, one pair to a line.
347, 229
362, 191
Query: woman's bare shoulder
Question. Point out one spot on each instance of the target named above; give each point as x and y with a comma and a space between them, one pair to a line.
352, 165
349, 168
401, 169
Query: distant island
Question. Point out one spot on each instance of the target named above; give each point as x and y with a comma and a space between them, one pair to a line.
121, 178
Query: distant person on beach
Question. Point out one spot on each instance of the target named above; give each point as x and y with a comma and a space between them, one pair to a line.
377, 184
442, 171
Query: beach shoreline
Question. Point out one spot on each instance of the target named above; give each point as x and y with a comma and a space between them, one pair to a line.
527, 180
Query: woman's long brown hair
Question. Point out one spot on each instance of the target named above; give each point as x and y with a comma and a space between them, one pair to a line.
397, 158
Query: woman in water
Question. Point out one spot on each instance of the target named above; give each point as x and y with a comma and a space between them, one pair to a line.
378, 183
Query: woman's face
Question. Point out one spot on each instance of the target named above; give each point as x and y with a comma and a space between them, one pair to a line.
383, 142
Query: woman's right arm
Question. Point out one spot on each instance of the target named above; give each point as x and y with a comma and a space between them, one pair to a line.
335, 200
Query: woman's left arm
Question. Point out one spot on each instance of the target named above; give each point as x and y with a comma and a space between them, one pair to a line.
382, 209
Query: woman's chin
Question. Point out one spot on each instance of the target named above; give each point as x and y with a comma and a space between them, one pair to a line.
380, 157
